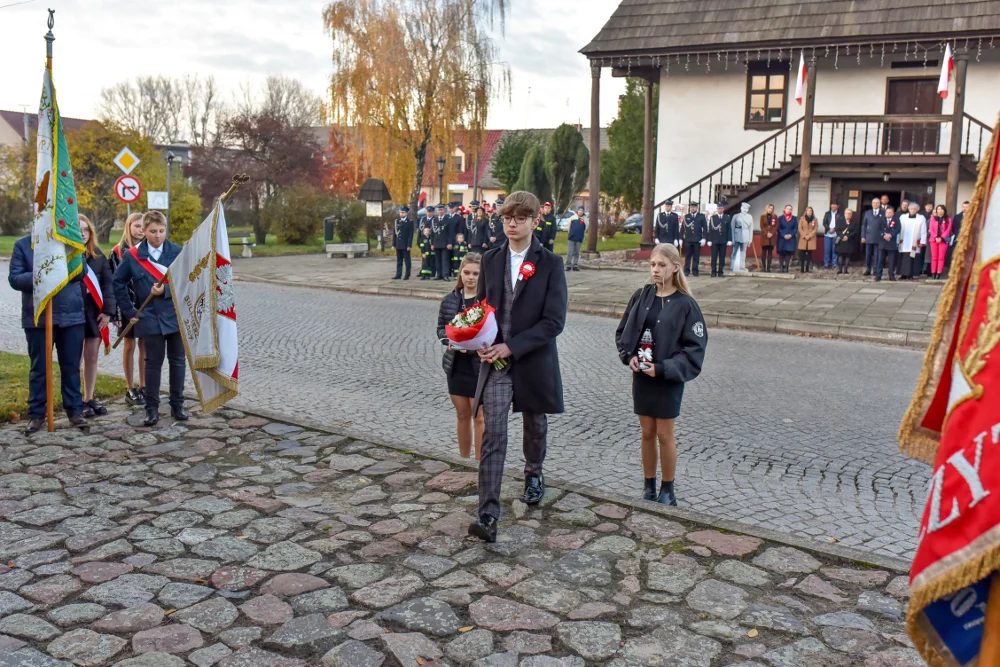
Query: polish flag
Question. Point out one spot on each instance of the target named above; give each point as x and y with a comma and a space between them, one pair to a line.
94, 288
800, 81
947, 67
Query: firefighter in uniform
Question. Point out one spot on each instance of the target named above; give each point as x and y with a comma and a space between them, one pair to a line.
402, 240
545, 227
720, 237
668, 225
694, 238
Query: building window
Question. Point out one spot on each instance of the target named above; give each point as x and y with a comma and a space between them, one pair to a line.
458, 163
767, 90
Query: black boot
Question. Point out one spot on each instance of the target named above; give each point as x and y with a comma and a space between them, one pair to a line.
152, 416
649, 490
667, 496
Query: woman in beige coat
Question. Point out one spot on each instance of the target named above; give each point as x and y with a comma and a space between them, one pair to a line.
808, 228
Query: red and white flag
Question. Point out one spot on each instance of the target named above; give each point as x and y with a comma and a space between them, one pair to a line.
954, 423
94, 288
947, 67
201, 283
800, 80
155, 269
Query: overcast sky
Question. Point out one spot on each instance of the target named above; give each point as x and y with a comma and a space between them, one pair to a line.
100, 42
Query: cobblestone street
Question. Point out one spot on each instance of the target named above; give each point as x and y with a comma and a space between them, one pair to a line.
788, 433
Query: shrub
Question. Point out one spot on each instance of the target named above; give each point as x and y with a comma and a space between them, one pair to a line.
296, 217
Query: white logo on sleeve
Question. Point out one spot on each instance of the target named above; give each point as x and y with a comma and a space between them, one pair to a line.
699, 329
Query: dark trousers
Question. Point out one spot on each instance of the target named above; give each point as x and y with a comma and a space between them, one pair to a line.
402, 259
872, 255
442, 257
718, 258
692, 253
766, 257
886, 259
68, 342
172, 347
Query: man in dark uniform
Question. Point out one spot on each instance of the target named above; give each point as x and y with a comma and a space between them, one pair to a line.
668, 225
442, 236
496, 234
402, 240
720, 237
888, 241
694, 238
545, 228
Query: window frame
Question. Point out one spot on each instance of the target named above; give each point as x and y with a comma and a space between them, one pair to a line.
761, 69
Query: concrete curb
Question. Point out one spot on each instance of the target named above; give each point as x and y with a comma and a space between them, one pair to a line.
897, 337
840, 553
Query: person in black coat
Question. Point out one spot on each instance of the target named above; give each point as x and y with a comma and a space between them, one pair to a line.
848, 241
462, 367
694, 239
477, 230
99, 307
889, 228
720, 237
545, 227
667, 228
662, 339
495, 235
67, 335
442, 233
157, 324
527, 285
402, 241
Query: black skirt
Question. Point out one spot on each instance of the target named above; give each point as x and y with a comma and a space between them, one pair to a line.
655, 397
464, 375
90, 313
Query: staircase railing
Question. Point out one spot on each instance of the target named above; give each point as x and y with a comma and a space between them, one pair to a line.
976, 137
881, 135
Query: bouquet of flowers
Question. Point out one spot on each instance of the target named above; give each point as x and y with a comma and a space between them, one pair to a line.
475, 328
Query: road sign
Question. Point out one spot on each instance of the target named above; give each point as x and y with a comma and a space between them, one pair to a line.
126, 160
159, 201
128, 189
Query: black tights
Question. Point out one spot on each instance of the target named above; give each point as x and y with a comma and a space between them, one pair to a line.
767, 256
805, 261
843, 262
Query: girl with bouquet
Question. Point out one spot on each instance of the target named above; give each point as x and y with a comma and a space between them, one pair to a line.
662, 339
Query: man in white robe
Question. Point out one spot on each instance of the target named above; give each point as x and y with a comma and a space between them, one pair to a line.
912, 242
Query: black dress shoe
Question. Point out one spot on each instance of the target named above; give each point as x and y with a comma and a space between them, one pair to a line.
88, 412
78, 421
35, 425
179, 415
485, 529
152, 417
649, 489
534, 489
667, 496
99, 410
396, 278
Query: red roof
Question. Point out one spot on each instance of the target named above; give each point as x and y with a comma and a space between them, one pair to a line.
16, 120
491, 139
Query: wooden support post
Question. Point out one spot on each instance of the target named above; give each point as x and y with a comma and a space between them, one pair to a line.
957, 122
647, 170
989, 648
805, 167
595, 156
50, 411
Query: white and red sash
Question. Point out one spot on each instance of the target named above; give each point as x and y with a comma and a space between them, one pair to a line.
157, 271
94, 287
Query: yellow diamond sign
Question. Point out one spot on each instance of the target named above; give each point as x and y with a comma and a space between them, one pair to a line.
126, 160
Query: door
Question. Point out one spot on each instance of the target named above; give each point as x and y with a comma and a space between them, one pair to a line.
911, 97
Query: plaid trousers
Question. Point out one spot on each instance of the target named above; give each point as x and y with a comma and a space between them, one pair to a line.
498, 394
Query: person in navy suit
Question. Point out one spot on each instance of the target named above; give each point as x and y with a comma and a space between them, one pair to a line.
67, 335
157, 324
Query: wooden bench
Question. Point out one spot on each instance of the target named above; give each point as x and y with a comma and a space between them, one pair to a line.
245, 242
348, 249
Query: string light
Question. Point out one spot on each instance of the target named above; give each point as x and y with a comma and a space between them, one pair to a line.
727, 60
882, 61
827, 54
859, 54
687, 63
979, 49
871, 53
836, 58
925, 55
769, 58
697, 59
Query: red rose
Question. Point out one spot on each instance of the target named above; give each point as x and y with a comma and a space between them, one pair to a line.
527, 270
62, 224
69, 200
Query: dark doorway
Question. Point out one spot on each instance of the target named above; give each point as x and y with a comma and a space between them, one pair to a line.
912, 97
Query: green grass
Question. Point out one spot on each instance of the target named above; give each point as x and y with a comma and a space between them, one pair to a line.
7, 245
14, 387
619, 242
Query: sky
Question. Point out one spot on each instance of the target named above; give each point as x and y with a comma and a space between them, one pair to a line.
101, 42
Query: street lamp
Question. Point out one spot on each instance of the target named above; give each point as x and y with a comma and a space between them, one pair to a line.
171, 158
440, 164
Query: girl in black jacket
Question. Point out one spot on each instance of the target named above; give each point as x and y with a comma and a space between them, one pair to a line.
132, 235
96, 317
662, 339
461, 367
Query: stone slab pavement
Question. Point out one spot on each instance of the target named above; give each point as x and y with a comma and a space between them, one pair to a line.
900, 313
237, 541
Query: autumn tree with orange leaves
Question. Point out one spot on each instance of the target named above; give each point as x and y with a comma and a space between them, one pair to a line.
407, 74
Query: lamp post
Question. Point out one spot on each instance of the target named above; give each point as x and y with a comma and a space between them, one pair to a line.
171, 158
440, 166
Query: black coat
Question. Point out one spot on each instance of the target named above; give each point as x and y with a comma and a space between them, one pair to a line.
494, 229
538, 315
67, 304
892, 227
102, 269
423, 222
678, 343
694, 227
159, 316
720, 229
848, 237
667, 228
477, 234
451, 304
838, 221
545, 230
442, 232
402, 234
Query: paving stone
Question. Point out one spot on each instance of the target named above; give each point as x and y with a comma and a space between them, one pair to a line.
741, 573
285, 557
11, 603
775, 618
29, 657
612, 544
593, 640
864, 577
235, 578
503, 574
786, 560
452, 481
356, 576
497, 660
167, 639
234, 519
152, 659
430, 567
719, 630
591, 610
461, 579
165, 548
582, 568
13, 580
844, 619
653, 529
470, 647
876, 603
572, 501
547, 593
804, 653
226, 549
407, 647
813, 585
502, 615
133, 619
726, 544
240, 637
527, 642
86, 647
208, 656
326, 601
211, 616
851, 641
26, 626
388, 592
675, 573
200, 472
287, 585
895, 657
272, 529
549, 661
364, 628
513, 540
74, 614
423, 615
653, 616
267, 610
97, 572
668, 646
177, 595
52, 590
718, 599
899, 587
578, 517
306, 635
353, 653
255, 657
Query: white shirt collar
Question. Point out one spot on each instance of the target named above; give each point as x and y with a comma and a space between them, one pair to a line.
154, 252
516, 260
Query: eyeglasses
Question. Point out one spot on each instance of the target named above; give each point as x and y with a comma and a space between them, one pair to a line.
518, 219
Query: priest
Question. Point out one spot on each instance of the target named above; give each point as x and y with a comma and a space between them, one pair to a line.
912, 242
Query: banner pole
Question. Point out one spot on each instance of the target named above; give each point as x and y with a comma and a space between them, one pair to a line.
50, 413
989, 650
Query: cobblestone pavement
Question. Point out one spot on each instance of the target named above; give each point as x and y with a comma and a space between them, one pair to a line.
793, 434
909, 306
238, 542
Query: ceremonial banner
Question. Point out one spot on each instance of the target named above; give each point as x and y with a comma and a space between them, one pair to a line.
55, 234
954, 422
202, 291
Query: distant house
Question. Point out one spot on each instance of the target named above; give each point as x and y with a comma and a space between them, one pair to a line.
729, 126
16, 127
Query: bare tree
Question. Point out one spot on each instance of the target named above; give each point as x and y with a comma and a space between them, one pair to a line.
202, 108
283, 98
162, 109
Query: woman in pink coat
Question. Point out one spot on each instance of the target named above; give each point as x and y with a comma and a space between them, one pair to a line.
938, 233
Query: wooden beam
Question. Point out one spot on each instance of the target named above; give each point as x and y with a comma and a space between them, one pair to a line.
595, 156
805, 167
647, 170
957, 122
646, 73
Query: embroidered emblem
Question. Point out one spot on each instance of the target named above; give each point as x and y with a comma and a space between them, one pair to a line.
699, 329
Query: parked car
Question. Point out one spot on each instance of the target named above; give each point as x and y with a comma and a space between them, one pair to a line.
562, 224
633, 224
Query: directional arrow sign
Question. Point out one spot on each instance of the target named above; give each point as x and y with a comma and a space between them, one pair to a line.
128, 189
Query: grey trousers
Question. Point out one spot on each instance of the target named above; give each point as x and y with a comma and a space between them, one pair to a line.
498, 394
573, 253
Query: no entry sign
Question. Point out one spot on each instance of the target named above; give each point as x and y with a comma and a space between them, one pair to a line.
128, 189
